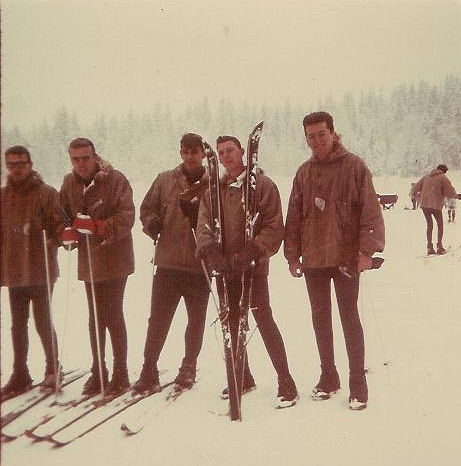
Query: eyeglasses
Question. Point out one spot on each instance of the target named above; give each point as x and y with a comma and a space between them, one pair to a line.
20, 164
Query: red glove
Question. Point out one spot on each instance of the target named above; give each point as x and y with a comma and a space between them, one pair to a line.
69, 236
86, 225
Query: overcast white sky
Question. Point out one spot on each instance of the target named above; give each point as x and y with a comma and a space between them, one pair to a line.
112, 56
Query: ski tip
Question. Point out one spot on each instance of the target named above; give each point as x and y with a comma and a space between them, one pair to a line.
127, 431
57, 443
8, 438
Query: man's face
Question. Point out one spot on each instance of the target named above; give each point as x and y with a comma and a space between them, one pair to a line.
231, 157
192, 157
83, 161
18, 166
320, 139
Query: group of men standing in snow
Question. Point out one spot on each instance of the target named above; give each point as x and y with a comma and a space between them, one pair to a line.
333, 227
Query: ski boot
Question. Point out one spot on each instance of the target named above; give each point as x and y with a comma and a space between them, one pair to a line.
248, 386
430, 250
51, 381
440, 249
327, 386
118, 384
287, 393
148, 382
186, 376
19, 382
185, 380
93, 384
358, 396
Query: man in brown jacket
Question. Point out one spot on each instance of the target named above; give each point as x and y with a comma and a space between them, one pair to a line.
236, 258
169, 211
29, 206
334, 225
99, 201
432, 190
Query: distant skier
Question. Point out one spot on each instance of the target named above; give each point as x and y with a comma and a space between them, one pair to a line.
29, 206
413, 198
450, 204
104, 199
170, 209
237, 258
334, 225
432, 189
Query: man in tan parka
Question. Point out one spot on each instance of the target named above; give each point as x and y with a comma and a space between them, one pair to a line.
99, 201
170, 220
334, 225
237, 257
432, 189
29, 207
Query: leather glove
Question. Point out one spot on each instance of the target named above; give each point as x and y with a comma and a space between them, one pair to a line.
190, 210
88, 226
215, 259
242, 260
69, 236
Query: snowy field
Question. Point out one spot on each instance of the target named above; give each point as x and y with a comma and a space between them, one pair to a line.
410, 311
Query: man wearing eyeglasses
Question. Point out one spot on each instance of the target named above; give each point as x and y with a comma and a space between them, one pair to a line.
29, 207
99, 202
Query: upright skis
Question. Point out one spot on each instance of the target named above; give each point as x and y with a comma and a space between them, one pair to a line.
235, 363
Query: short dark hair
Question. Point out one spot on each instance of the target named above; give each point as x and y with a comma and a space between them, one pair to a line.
319, 117
81, 142
18, 150
442, 167
222, 139
191, 141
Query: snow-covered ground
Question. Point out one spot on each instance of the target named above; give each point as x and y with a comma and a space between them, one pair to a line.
410, 311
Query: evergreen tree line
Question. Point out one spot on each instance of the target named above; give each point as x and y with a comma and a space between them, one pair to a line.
404, 132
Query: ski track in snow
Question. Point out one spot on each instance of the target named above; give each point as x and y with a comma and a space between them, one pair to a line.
410, 312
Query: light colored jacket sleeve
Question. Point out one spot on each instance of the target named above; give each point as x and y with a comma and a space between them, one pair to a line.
269, 230
121, 220
371, 234
150, 206
448, 190
293, 225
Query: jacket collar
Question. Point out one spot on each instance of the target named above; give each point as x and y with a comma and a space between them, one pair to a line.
29, 183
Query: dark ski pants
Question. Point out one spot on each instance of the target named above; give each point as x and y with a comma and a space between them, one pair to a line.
428, 213
262, 314
109, 307
318, 281
168, 286
20, 298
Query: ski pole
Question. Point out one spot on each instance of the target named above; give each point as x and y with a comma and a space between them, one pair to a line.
66, 311
207, 277
95, 313
50, 313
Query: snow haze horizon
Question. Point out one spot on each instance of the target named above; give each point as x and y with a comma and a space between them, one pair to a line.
112, 57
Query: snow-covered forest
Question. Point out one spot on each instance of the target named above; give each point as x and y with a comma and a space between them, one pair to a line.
402, 132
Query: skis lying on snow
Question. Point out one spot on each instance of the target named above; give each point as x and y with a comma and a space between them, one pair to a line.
34, 397
44, 412
107, 411
138, 420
